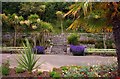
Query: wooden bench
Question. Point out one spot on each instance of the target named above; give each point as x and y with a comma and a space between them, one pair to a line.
9, 49
93, 50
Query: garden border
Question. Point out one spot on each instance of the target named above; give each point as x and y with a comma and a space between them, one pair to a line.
87, 50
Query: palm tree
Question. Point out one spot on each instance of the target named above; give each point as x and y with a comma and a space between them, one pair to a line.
91, 20
98, 17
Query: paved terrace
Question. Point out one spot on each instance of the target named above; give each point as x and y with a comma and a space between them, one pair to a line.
51, 61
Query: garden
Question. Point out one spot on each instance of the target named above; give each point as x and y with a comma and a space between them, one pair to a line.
74, 30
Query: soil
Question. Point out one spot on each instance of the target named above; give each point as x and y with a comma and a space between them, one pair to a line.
44, 74
13, 74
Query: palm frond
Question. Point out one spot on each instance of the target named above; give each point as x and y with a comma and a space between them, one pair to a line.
74, 9
94, 21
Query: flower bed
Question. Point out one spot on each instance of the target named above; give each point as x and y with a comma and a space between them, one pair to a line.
69, 71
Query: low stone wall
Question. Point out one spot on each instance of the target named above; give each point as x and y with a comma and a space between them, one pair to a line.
59, 41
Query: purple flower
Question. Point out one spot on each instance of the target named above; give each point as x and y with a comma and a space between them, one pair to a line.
40, 49
77, 49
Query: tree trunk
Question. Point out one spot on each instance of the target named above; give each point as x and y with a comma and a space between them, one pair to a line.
34, 40
116, 34
61, 26
104, 40
15, 36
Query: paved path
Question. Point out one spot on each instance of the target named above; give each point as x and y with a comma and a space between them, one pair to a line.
51, 61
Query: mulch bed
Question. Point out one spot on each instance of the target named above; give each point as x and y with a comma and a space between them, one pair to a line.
12, 73
43, 75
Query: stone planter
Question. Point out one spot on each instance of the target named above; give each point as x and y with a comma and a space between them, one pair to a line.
77, 49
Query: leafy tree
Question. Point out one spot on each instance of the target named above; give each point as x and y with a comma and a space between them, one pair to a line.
28, 8
97, 17
46, 10
14, 22
38, 28
52, 8
11, 7
5, 23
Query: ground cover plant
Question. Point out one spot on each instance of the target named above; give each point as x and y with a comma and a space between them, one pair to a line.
86, 71
104, 71
4, 69
19, 70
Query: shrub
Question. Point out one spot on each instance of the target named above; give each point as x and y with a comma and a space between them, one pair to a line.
77, 50
39, 49
28, 59
99, 44
109, 44
90, 41
5, 68
46, 26
33, 17
55, 74
39, 72
73, 39
19, 70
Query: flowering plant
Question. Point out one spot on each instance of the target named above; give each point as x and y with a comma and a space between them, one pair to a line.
39, 49
78, 49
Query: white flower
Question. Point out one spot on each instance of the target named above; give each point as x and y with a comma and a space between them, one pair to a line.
38, 20
34, 27
27, 22
16, 17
